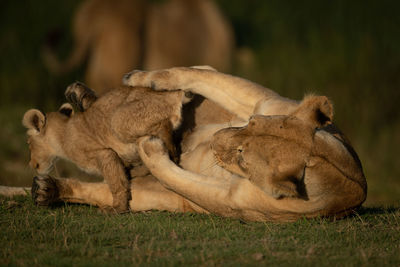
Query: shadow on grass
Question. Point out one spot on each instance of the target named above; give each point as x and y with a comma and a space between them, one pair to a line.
377, 210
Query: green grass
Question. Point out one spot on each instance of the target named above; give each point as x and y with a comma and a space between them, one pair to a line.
82, 236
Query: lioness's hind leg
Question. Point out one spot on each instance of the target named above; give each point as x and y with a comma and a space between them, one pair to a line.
157, 80
235, 94
81, 96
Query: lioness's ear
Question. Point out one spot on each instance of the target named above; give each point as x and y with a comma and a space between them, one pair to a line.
317, 110
66, 109
34, 119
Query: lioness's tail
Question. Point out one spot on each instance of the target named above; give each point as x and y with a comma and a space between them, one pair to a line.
10, 191
82, 38
54, 65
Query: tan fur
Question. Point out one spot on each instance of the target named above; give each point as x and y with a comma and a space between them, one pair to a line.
120, 35
102, 139
279, 161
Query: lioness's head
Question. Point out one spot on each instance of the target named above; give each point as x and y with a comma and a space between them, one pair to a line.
43, 136
274, 151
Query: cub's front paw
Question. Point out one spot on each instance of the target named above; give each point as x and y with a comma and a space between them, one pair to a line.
45, 190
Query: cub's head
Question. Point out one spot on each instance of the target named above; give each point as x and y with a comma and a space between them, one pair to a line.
44, 136
272, 151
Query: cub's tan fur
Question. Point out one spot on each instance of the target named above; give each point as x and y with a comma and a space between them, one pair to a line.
102, 139
120, 35
278, 160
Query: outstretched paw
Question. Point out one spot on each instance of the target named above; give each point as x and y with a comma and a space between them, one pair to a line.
150, 146
44, 190
156, 80
136, 78
81, 96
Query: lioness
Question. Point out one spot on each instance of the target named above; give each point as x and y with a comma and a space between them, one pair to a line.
278, 161
102, 139
119, 35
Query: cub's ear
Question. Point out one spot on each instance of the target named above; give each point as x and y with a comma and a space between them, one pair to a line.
316, 110
34, 119
67, 110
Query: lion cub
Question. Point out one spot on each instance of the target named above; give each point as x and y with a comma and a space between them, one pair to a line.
102, 138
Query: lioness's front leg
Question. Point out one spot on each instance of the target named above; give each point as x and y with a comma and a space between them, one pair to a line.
231, 197
47, 190
81, 96
235, 94
146, 193
114, 175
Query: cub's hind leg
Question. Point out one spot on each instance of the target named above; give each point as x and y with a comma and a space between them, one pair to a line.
164, 131
155, 113
114, 175
81, 96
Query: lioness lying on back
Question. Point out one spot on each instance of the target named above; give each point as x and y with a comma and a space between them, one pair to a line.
279, 160
102, 139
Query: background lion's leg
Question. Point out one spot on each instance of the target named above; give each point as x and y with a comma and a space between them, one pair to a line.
10, 191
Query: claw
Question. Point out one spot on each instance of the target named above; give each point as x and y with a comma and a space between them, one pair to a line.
127, 76
79, 95
44, 190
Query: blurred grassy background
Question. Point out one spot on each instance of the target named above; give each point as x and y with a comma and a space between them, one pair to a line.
347, 50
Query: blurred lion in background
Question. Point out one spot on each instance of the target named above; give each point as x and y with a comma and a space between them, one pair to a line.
116, 36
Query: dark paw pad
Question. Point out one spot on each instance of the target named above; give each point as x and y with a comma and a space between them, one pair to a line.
44, 190
81, 96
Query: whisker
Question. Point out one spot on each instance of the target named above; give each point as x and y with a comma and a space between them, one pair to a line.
213, 163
